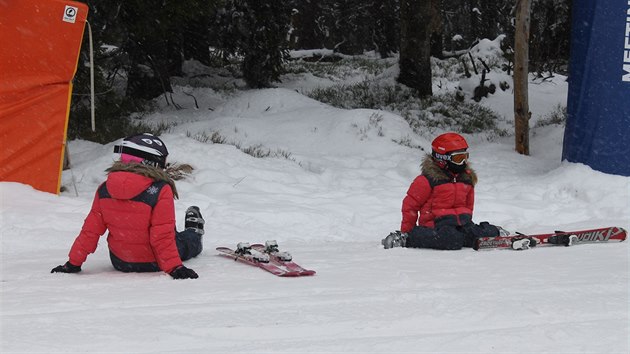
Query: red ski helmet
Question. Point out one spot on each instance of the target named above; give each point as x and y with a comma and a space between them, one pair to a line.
146, 148
445, 144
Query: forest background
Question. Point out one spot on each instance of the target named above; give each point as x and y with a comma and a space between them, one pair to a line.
141, 48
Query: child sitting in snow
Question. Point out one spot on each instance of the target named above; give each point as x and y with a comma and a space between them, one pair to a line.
136, 205
437, 211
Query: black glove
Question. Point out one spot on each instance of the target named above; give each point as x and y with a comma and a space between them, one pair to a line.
182, 272
66, 268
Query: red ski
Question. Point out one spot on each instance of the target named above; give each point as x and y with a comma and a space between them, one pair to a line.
281, 258
245, 254
558, 238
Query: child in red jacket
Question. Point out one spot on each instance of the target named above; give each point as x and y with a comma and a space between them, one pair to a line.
136, 206
437, 211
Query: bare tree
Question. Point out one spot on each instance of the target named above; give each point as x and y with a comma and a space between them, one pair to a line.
521, 69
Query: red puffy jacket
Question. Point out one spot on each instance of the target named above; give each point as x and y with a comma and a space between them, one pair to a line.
138, 233
437, 193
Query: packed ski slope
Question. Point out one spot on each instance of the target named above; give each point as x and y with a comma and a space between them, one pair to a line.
331, 193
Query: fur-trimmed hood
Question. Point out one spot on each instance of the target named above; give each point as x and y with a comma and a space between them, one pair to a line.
154, 173
433, 171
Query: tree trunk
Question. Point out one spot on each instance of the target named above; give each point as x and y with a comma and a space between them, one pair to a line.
521, 58
415, 46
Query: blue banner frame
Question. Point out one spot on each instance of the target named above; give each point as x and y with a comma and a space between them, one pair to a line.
598, 125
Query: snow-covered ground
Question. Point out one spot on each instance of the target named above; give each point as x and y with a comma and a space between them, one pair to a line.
333, 191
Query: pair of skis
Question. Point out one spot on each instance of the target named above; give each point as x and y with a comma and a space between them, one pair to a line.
267, 257
558, 238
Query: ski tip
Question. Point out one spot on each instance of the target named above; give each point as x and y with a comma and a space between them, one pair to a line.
307, 273
290, 274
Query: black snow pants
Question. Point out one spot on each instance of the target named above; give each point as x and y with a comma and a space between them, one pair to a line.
450, 233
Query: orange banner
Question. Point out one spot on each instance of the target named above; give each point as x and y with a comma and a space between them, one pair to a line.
40, 42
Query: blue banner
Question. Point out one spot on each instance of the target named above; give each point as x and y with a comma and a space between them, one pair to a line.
598, 124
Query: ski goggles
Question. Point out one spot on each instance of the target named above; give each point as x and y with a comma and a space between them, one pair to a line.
458, 158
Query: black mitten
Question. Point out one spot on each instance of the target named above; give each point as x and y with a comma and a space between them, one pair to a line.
182, 272
66, 268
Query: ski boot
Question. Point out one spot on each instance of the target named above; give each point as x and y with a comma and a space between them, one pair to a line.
271, 247
503, 232
194, 220
395, 239
566, 239
245, 249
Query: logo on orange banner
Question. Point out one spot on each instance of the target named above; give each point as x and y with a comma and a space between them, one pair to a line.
70, 14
